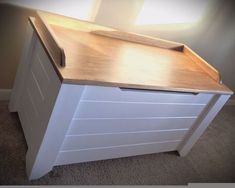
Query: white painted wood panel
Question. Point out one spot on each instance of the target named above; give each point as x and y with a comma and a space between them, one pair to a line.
88, 109
22, 70
43, 70
203, 121
35, 90
113, 152
32, 117
114, 125
114, 139
45, 83
25, 123
37, 103
40, 160
26, 108
100, 93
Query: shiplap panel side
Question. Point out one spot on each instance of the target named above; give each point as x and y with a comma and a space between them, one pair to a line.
100, 93
114, 139
91, 109
92, 126
113, 152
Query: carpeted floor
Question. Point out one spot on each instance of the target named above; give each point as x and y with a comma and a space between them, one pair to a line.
212, 159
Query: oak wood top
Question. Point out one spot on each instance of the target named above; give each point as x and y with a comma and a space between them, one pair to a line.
100, 60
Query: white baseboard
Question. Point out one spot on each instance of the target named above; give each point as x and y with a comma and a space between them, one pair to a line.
5, 94
230, 102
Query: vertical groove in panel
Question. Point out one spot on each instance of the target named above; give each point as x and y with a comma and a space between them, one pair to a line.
32, 103
43, 68
38, 86
25, 122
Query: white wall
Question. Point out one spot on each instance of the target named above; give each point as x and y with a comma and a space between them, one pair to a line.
80, 9
216, 41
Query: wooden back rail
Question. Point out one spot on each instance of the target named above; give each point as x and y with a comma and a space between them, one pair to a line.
141, 39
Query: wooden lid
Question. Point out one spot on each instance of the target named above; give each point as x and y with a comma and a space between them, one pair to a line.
97, 55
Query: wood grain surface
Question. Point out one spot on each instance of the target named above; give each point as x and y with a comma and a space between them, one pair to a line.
142, 39
211, 71
100, 60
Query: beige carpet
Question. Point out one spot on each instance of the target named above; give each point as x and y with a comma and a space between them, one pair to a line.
212, 159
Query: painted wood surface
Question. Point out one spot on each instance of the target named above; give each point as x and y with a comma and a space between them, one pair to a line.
87, 141
23, 67
68, 157
119, 125
36, 104
60, 118
116, 94
203, 121
91, 109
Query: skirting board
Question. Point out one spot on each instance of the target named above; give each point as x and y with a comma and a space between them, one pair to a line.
230, 102
5, 94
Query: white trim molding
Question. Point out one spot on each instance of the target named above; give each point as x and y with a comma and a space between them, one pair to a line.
5, 94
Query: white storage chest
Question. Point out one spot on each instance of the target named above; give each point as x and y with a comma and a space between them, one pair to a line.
68, 123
